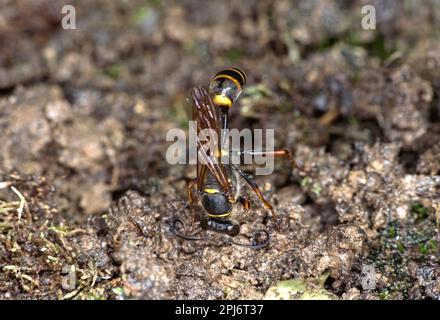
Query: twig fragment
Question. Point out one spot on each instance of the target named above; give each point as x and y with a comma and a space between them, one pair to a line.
22, 202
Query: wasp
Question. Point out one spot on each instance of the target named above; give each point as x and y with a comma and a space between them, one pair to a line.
219, 183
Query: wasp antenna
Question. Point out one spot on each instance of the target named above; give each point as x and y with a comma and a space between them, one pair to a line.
174, 231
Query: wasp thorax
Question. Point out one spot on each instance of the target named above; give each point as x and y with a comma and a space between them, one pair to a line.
227, 86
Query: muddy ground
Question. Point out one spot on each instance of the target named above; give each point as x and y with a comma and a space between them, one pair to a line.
84, 115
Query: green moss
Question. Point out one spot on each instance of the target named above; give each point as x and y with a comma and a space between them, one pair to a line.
423, 248
420, 211
379, 47
398, 244
383, 295
353, 39
140, 14
316, 189
154, 3
305, 182
400, 247
113, 71
96, 295
255, 93
118, 291
233, 55
326, 44
432, 244
297, 289
60, 229
392, 231
428, 246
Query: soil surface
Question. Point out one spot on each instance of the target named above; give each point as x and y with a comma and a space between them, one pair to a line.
87, 199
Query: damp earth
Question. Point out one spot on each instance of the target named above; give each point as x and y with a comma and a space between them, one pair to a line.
87, 199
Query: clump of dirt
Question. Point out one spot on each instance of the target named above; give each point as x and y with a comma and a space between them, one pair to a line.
405, 257
88, 203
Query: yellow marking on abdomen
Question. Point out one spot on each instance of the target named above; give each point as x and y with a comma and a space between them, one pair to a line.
211, 191
224, 215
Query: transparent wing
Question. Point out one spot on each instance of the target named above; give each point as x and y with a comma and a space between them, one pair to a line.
205, 115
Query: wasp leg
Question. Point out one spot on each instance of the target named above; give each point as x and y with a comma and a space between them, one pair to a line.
189, 189
274, 153
191, 199
251, 181
245, 203
174, 231
190, 193
329, 117
255, 243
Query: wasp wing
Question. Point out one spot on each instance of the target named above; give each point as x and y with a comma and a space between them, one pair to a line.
205, 115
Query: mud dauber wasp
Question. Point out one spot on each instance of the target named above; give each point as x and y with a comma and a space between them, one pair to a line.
219, 182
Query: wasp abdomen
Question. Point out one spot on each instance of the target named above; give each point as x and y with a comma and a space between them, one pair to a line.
216, 204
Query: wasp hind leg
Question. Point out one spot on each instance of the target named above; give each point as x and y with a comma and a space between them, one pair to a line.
253, 184
177, 224
260, 239
176, 230
192, 201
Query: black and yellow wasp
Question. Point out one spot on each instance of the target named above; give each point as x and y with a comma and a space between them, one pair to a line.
219, 183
